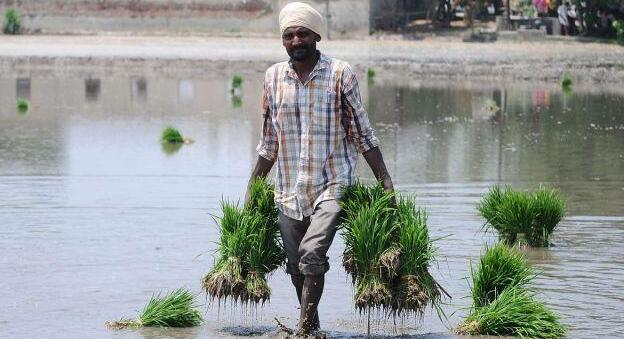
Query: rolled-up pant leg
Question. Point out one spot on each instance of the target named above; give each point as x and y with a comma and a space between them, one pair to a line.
292, 232
313, 249
307, 241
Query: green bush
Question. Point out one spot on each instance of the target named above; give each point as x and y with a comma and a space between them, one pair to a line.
12, 22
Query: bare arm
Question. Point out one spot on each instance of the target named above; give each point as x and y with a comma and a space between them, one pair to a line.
261, 170
375, 160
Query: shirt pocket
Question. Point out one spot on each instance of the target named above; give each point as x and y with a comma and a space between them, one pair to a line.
325, 112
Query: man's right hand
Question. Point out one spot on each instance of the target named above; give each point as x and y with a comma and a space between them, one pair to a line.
262, 169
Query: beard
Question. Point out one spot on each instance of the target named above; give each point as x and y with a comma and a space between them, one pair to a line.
301, 53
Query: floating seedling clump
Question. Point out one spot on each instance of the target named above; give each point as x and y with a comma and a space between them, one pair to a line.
521, 217
388, 252
566, 83
172, 135
237, 81
504, 302
370, 75
249, 248
22, 106
176, 309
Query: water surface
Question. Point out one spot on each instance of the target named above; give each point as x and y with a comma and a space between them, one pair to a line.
97, 215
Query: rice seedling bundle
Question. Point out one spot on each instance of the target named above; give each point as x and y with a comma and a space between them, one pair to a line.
522, 217
249, 248
176, 309
504, 301
171, 135
22, 105
388, 251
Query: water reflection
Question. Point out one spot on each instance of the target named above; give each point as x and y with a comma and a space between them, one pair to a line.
186, 91
80, 184
138, 89
92, 89
22, 88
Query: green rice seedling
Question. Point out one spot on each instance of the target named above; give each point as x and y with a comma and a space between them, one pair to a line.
226, 278
249, 248
171, 135
370, 76
416, 287
12, 22
490, 205
176, 309
566, 82
522, 218
237, 81
549, 209
499, 268
369, 233
22, 105
515, 216
514, 312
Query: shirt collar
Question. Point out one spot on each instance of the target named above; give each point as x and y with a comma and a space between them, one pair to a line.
322, 63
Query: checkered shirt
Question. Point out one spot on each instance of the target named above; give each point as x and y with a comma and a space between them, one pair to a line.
313, 131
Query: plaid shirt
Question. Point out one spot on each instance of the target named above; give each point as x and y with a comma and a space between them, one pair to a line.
314, 131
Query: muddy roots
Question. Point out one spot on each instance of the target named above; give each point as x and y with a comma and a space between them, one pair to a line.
256, 289
389, 262
415, 292
372, 292
225, 280
348, 262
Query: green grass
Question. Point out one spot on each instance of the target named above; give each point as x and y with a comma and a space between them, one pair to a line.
499, 268
249, 248
171, 135
237, 81
176, 309
566, 82
522, 217
514, 312
22, 105
12, 22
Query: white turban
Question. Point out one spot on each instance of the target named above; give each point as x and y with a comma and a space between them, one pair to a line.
301, 14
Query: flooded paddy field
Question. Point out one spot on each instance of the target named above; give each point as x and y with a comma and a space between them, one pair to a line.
97, 215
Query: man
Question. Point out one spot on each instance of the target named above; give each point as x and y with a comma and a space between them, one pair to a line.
314, 126
562, 12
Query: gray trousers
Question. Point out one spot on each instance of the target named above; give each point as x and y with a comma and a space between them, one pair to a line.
307, 241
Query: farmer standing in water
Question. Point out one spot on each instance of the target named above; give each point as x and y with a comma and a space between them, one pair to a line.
314, 124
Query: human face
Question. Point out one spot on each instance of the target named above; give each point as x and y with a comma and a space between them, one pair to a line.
300, 42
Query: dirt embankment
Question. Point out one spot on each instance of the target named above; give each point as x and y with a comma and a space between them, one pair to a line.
425, 59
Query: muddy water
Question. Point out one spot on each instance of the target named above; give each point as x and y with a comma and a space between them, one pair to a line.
96, 215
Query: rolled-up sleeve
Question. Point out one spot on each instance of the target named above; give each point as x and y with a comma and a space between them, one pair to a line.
268, 145
358, 127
